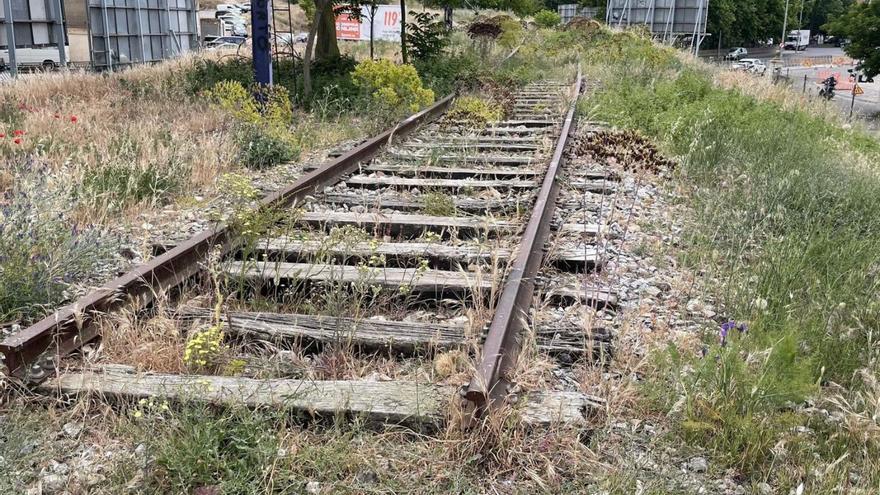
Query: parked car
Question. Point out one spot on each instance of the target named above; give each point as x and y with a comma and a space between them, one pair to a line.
736, 53
743, 64
227, 8
239, 30
758, 67
244, 7
301, 38
237, 40
222, 46
232, 18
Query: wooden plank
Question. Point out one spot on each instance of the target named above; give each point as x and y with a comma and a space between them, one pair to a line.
535, 131
593, 186
574, 342
423, 281
576, 258
580, 292
395, 223
511, 123
593, 174
376, 182
392, 401
452, 172
475, 158
589, 229
465, 253
473, 146
374, 334
400, 203
396, 402
537, 139
276, 327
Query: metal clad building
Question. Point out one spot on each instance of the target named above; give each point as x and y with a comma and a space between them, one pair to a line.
35, 24
124, 32
571, 10
667, 18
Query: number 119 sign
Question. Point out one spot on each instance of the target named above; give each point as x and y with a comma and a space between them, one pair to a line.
386, 25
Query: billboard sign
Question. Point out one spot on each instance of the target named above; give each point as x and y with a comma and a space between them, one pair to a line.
386, 24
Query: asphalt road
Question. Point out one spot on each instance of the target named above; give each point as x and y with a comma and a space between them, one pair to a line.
865, 106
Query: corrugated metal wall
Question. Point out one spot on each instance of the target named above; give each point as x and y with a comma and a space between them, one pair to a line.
127, 32
32, 24
667, 17
571, 10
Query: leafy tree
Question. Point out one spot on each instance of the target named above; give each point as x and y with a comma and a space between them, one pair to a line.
746, 22
818, 12
426, 36
861, 24
547, 19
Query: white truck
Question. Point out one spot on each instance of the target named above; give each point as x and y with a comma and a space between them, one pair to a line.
797, 40
46, 57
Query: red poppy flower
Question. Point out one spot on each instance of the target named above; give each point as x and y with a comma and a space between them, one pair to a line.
18, 132
2, 134
17, 140
73, 119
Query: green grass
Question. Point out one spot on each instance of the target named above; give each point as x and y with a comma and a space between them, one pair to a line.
785, 209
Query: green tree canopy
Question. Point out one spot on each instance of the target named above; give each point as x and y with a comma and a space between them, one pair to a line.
861, 24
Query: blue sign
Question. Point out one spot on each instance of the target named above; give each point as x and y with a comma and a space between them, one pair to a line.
260, 42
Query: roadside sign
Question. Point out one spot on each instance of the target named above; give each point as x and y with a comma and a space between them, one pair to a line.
857, 90
347, 28
386, 24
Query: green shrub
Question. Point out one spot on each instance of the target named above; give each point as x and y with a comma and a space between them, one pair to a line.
205, 74
263, 124
511, 32
446, 72
333, 90
475, 110
269, 107
394, 88
547, 19
427, 36
438, 204
263, 147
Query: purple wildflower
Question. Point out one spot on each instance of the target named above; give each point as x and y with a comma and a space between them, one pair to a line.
726, 327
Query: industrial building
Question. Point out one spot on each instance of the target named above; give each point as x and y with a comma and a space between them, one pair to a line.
100, 34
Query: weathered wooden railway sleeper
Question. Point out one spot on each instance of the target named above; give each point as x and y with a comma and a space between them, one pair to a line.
433, 226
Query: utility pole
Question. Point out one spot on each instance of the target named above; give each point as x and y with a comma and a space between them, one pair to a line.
784, 29
801, 16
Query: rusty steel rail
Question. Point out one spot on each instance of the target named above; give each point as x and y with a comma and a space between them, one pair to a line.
501, 348
74, 325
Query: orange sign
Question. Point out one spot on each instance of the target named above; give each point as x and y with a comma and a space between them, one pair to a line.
857, 90
347, 28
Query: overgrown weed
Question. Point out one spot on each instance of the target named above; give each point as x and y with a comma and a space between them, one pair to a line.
785, 233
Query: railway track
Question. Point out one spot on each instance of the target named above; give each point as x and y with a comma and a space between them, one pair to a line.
428, 240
